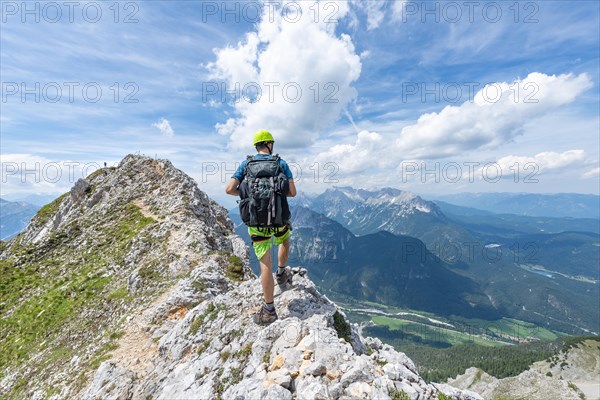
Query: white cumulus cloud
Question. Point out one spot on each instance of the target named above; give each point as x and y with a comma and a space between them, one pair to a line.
495, 116
374, 11
478, 124
364, 153
545, 162
165, 127
302, 68
24, 172
592, 173
398, 10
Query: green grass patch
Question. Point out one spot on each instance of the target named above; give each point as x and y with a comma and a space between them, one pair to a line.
342, 327
200, 285
211, 314
220, 252
224, 356
116, 335
99, 172
102, 354
398, 394
572, 341
203, 346
149, 273
507, 327
245, 351
236, 375
423, 333
119, 294
196, 324
131, 224
47, 211
234, 269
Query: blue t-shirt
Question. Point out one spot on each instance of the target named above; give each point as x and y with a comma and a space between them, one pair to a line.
239, 172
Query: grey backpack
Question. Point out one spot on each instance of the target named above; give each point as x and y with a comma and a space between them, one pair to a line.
263, 194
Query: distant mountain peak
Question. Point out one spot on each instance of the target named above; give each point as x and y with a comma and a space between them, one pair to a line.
14, 217
380, 196
575, 205
366, 211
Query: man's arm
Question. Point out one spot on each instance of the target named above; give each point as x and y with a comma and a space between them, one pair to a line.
292, 191
232, 187
288, 173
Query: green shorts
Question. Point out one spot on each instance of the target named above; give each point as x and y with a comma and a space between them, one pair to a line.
261, 238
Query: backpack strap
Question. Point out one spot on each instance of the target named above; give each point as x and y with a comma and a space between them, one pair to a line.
248, 159
276, 158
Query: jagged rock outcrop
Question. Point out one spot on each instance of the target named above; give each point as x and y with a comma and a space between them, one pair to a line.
530, 385
581, 361
214, 350
133, 286
160, 190
572, 373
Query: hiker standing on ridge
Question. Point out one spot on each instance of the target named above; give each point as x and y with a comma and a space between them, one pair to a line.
264, 182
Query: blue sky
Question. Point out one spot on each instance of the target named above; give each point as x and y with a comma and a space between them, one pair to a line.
406, 83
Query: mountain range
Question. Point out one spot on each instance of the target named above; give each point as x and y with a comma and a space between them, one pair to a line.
501, 256
513, 266
574, 205
37, 199
133, 285
483, 221
388, 209
14, 217
383, 268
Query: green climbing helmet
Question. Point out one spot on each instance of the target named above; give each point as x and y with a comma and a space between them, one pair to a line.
263, 136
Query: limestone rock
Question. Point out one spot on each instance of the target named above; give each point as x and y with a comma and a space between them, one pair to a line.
310, 387
314, 368
527, 385
281, 377
111, 382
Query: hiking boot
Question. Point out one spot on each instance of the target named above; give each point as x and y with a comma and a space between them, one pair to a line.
284, 279
264, 316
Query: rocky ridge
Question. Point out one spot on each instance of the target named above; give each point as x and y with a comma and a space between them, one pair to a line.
139, 289
529, 384
214, 350
572, 373
114, 243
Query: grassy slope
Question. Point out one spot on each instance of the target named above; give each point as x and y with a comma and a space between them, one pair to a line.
44, 289
429, 333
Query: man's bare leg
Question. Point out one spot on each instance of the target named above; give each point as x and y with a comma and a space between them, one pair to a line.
283, 253
266, 277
